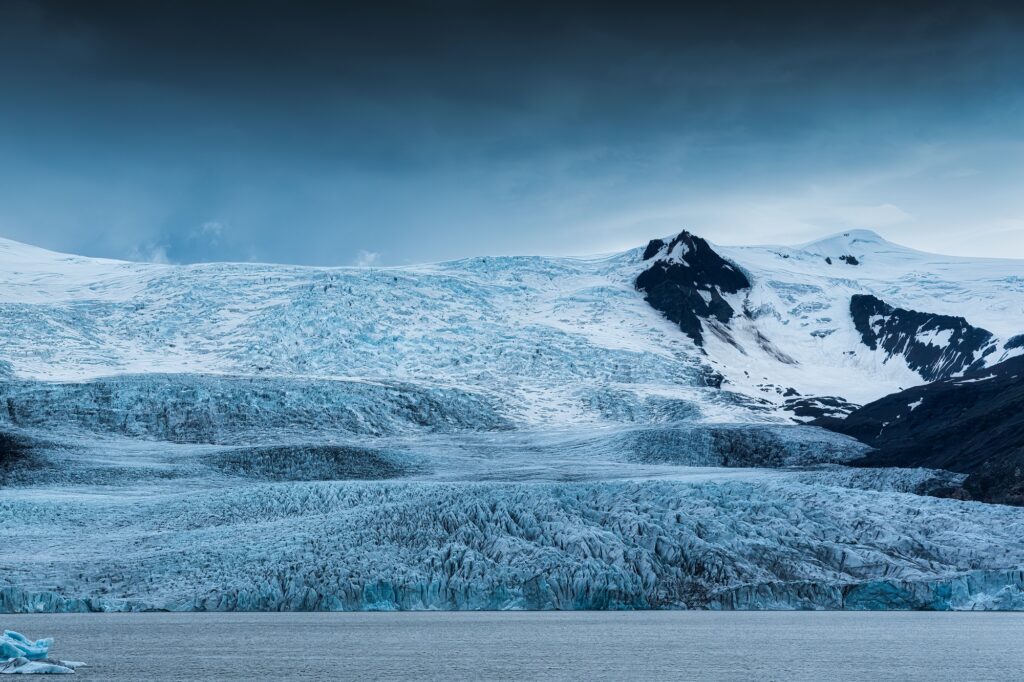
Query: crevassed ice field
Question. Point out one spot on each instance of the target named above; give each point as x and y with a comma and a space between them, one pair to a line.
492, 433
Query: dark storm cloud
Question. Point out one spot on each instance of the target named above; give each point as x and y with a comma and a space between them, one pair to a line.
307, 132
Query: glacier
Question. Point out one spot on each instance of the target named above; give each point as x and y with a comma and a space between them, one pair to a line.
491, 433
759, 542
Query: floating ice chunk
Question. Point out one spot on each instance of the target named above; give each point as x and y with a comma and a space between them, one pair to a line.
20, 655
16, 645
23, 666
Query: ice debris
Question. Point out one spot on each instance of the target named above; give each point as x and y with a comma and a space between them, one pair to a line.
20, 655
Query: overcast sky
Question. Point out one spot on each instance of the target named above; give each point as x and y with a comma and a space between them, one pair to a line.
418, 131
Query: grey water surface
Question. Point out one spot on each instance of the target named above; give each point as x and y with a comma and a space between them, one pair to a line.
659, 645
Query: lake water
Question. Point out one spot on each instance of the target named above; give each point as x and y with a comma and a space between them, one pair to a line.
537, 646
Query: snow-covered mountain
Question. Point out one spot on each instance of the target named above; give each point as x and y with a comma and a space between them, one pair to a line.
541, 334
491, 432
856, 316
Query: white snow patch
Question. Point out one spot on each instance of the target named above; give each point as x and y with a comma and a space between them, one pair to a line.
678, 251
935, 337
976, 380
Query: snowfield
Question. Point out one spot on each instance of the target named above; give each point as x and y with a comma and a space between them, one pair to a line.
509, 432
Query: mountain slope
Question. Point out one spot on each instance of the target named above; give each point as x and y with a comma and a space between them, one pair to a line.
686, 282
541, 335
801, 303
973, 424
934, 346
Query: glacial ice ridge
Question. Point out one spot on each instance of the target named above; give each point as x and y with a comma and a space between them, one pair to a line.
747, 542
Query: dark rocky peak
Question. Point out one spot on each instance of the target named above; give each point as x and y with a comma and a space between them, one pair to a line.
696, 262
685, 281
934, 346
806, 408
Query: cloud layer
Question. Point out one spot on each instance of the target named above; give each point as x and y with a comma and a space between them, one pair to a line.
312, 133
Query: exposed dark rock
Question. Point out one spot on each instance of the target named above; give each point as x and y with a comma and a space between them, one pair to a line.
768, 347
972, 425
1014, 342
687, 281
920, 338
814, 407
652, 248
712, 378
849, 260
828, 260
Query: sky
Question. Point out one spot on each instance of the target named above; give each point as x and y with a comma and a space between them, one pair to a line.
402, 132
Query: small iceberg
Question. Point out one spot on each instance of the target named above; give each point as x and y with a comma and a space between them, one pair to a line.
20, 655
